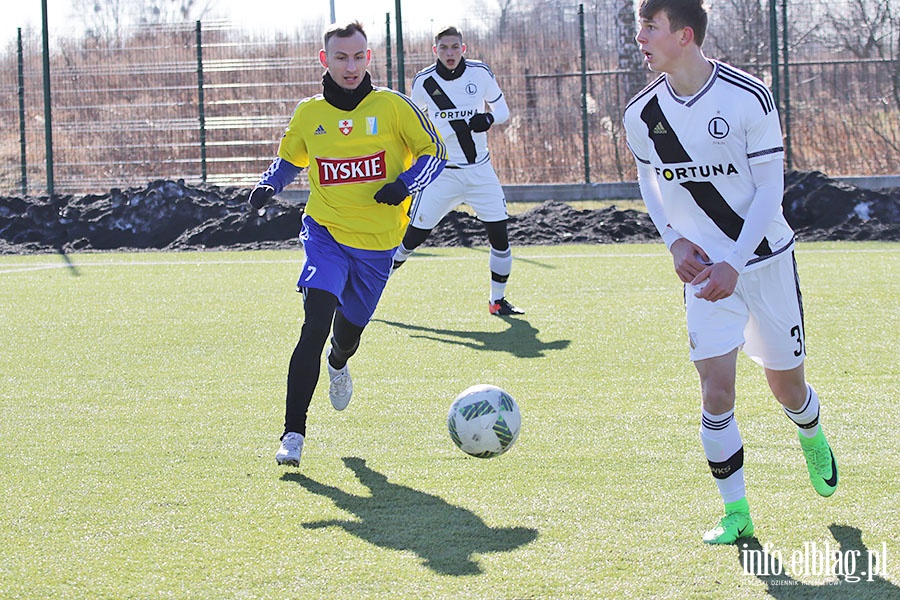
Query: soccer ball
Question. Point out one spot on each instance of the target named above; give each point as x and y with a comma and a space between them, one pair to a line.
484, 421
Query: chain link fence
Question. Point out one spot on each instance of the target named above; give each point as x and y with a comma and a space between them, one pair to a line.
207, 101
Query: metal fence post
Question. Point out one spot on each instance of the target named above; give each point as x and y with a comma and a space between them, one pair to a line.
200, 103
584, 110
401, 70
23, 157
387, 42
787, 87
48, 119
773, 51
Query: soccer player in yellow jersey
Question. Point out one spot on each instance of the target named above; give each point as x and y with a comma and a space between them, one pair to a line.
366, 150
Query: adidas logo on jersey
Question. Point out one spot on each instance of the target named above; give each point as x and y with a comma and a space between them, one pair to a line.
319, 130
659, 129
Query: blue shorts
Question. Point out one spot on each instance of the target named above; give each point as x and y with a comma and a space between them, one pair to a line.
356, 277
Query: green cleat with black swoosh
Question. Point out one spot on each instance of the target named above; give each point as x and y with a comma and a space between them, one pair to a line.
730, 529
734, 525
820, 462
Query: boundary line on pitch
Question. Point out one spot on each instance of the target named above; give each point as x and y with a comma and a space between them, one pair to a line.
15, 269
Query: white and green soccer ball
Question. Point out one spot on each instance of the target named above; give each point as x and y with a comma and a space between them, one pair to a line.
484, 421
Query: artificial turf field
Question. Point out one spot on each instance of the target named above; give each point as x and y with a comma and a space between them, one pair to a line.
141, 399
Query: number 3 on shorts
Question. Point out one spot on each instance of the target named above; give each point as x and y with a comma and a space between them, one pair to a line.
797, 333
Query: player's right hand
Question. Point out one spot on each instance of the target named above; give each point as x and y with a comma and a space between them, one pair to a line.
260, 195
689, 259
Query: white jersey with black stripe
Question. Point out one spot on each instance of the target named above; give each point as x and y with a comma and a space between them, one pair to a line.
451, 103
701, 149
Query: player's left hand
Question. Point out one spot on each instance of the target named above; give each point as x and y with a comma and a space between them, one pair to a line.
392, 193
720, 278
481, 122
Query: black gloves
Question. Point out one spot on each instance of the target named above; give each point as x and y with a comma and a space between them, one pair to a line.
260, 195
481, 122
392, 193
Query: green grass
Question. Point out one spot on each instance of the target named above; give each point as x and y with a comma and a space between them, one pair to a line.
141, 397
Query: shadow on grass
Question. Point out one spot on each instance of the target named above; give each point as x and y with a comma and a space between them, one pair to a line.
73, 270
401, 518
851, 570
520, 339
485, 249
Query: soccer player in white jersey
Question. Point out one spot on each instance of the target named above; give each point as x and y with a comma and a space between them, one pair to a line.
454, 92
707, 142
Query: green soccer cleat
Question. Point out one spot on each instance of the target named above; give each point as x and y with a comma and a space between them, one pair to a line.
823, 470
731, 528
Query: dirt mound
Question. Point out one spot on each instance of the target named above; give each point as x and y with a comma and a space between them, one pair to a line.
168, 215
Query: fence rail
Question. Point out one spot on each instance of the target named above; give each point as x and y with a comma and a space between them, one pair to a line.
208, 102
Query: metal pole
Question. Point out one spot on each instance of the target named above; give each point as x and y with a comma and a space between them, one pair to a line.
200, 103
23, 156
332, 11
584, 112
401, 74
387, 37
773, 51
48, 118
787, 87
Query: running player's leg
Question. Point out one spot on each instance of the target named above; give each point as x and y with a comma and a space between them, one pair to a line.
303, 370
485, 195
367, 277
716, 332
429, 207
776, 340
412, 239
322, 279
723, 447
345, 338
500, 263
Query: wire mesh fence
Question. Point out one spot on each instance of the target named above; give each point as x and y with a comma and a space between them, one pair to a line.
207, 101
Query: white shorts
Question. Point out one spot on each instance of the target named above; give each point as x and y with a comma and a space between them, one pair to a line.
764, 316
477, 186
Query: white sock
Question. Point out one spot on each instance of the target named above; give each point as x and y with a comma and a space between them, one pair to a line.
807, 418
402, 254
500, 263
724, 451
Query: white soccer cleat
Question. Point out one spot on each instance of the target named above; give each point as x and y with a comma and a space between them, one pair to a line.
341, 388
291, 447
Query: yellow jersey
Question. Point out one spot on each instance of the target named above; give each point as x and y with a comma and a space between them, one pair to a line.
350, 155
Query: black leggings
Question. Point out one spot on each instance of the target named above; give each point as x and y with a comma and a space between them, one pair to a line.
497, 234
306, 361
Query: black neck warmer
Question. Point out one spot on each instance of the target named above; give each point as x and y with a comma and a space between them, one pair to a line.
345, 99
449, 75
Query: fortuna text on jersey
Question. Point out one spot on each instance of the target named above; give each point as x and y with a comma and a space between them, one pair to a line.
693, 172
450, 115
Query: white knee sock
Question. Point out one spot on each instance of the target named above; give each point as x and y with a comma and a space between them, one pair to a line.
724, 451
402, 254
500, 263
807, 418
